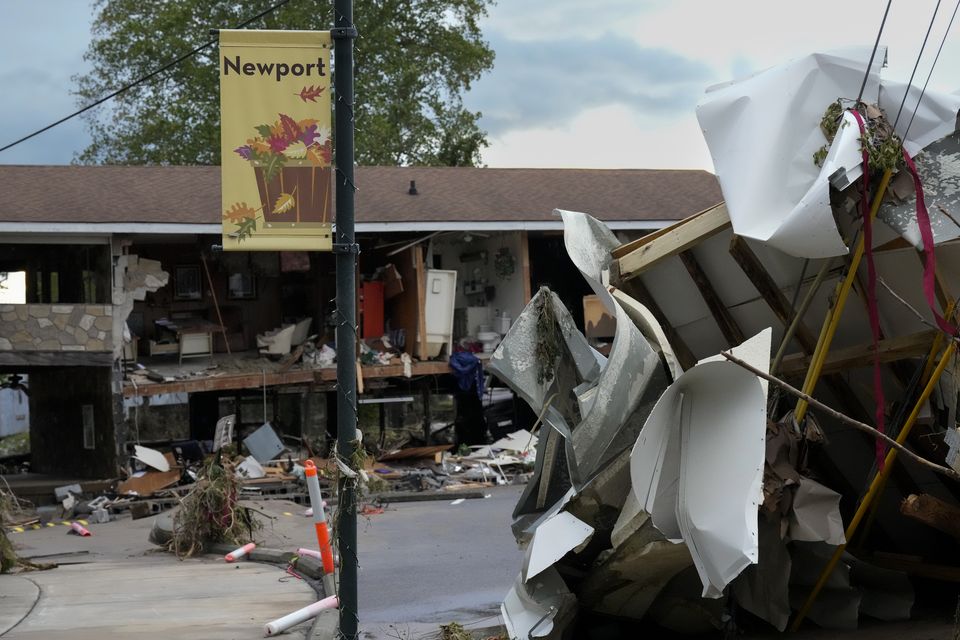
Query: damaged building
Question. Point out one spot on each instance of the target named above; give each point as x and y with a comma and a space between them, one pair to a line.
122, 322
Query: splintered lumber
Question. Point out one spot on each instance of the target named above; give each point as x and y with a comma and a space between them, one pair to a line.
635, 258
767, 287
933, 512
728, 325
414, 452
913, 345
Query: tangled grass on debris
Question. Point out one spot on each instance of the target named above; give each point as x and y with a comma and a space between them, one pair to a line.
211, 512
548, 338
454, 631
883, 146
10, 505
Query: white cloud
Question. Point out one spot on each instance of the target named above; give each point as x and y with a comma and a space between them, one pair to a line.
611, 137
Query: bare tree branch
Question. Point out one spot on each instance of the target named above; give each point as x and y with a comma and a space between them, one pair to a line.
856, 424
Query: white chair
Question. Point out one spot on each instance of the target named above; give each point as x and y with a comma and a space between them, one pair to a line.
301, 331
276, 342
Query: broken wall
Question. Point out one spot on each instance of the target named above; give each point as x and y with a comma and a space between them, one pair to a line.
72, 422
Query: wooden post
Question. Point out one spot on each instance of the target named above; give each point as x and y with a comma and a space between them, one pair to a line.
752, 267
638, 290
216, 305
728, 326
525, 266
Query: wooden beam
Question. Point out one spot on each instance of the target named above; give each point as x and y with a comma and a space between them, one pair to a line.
624, 249
767, 287
933, 512
421, 276
914, 567
256, 380
56, 358
219, 383
636, 289
728, 326
672, 241
913, 345
525, 266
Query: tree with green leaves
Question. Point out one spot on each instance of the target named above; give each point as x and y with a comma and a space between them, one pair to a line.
414, 59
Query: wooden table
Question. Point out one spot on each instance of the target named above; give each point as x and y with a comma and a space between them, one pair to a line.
195, 338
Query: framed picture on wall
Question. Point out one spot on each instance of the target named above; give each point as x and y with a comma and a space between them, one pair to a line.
186, 282
241, 286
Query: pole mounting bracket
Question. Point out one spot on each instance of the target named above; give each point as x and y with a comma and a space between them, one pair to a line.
346, 247
344, 33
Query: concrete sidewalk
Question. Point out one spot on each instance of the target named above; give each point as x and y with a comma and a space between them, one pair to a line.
149, 597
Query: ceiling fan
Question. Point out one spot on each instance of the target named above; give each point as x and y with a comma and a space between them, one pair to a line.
15, 382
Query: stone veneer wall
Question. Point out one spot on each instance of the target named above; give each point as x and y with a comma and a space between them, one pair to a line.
56, 327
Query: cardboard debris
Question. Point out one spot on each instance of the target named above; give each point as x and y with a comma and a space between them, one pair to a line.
146, 483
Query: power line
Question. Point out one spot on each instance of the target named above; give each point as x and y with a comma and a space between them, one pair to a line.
141, 80
876, 43
935, 59
916, 64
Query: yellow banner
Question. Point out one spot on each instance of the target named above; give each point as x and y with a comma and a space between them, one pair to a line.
275, 144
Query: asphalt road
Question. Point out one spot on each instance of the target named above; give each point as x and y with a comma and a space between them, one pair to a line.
429, 563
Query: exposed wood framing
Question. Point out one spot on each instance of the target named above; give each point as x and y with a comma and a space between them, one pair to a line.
728, 325
914, 345
256, 380
640, 255
636, 289
767, 287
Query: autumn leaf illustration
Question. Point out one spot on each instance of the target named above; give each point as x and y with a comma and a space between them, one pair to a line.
319, 156
272, 164
289, 128
310, 93
264, 130
284, 203
296, 150
245, 229
238, 212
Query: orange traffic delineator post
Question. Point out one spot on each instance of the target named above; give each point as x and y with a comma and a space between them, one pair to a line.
320, 524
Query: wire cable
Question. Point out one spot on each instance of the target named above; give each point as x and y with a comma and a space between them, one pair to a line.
866, 74
916, 64
932, 66
141, 80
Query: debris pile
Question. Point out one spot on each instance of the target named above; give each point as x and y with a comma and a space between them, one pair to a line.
680, 479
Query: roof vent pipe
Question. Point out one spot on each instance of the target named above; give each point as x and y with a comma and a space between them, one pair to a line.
413, 188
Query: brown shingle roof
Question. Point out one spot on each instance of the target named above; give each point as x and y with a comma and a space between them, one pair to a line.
446, 194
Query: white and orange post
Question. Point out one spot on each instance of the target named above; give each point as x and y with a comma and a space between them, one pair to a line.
236, 554
320, 524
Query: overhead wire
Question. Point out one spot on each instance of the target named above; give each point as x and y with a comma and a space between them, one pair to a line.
932, 66
142, 79
923, 46
876, 43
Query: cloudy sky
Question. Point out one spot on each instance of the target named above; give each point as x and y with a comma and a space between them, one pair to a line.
610, 83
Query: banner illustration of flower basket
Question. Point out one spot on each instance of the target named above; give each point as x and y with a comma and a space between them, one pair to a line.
276, 148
